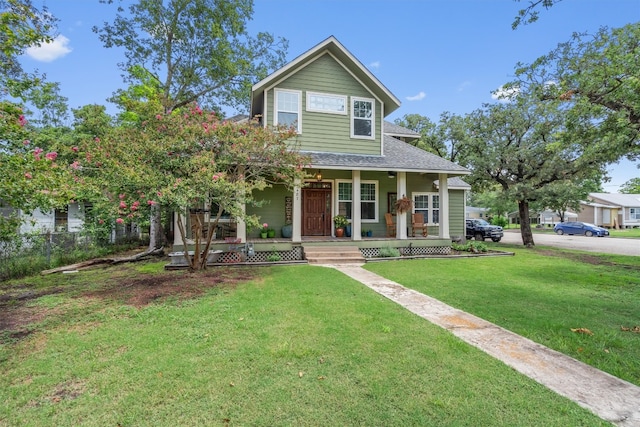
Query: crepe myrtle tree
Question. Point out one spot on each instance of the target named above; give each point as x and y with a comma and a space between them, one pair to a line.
31, 176
187, 158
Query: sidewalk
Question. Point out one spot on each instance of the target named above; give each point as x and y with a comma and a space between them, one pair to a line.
611, 398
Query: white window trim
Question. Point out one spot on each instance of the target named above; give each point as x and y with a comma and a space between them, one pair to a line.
328, 95
276, 110
430, 209
634, 214
373, 118
377, 201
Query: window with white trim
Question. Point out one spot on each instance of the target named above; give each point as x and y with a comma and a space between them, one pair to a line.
288, 109
345, 198
634, 213
362, 116
326, 103
427, 204
368, 200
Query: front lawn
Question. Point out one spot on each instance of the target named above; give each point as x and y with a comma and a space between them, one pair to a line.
543, 294
295, 345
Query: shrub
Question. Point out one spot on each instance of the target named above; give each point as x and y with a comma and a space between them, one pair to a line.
389, 252
500, 221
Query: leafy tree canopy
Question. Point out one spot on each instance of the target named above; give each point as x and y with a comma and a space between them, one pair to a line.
186, 158
631, 187
193, 50
596, 79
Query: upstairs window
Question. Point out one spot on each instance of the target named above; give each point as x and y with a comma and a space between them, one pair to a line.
362, 116
288, 109
326, 103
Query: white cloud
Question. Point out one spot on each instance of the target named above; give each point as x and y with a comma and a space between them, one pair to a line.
462, 86
418, 97
505, 95
48, 52
375, 65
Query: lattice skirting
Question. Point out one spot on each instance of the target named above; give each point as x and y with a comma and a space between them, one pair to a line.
409, 251
295, 254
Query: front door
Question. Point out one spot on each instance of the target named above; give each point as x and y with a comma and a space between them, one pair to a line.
316, 209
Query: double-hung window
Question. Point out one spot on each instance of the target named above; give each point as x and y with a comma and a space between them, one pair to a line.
368, 200
288, 106
427, 204
362, 118
634, 213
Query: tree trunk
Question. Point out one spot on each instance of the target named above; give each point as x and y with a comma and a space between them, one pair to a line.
155, 229
525, 224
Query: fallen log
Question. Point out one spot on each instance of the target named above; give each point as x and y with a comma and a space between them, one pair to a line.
133, 258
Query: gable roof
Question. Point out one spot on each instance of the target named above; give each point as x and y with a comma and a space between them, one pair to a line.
333, 47
631, 200
399, 156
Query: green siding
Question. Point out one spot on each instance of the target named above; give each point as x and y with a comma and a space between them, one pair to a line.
271, 212
323, 131
456, 213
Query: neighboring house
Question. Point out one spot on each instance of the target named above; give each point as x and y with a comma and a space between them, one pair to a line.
360, 163
55, 220
547, 218
611, 210
472, 212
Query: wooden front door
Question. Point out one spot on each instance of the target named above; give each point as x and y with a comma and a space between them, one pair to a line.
316, 210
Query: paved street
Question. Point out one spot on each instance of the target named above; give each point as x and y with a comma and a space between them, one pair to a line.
592, 244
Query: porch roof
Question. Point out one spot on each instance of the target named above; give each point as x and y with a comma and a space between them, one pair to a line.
398, 157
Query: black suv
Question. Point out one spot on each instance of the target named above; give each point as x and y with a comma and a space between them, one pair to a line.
480, 229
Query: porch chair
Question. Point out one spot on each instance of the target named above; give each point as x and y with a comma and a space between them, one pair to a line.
417, 223
391, 227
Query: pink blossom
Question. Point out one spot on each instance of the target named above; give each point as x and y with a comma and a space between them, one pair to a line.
75, 165
123, 205
37, 152
28, 175
74, 149
101, 221
26, 142
151, 202
22, 121
215, 177
121, 196
119, 220
158, 116
51, 156
96, 139
159, 194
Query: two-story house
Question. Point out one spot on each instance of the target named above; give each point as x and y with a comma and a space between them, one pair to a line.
360, 163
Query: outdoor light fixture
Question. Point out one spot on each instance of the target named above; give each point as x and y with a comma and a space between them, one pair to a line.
318, 176
392, 174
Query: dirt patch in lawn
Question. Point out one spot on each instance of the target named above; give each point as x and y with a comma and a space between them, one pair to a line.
20, 315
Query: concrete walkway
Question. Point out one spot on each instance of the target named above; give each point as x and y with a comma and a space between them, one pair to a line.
611, 398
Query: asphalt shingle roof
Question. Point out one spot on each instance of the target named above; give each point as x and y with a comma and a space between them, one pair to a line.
398, 156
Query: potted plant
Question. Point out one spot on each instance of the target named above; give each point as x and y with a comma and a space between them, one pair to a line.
340, 221
403, 204
271, 232
264, 231
287, 231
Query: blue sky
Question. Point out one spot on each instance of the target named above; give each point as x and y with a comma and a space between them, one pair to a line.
434, 55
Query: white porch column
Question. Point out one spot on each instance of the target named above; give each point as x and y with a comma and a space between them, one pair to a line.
241, 226
356, 207
296, 235
443, 192
401, 218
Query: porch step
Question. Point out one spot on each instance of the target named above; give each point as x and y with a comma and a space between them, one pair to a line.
333, 255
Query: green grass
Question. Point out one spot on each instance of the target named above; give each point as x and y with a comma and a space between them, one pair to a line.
542, 294
301, 345
633, 233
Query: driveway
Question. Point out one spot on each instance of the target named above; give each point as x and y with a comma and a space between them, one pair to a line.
607, 245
